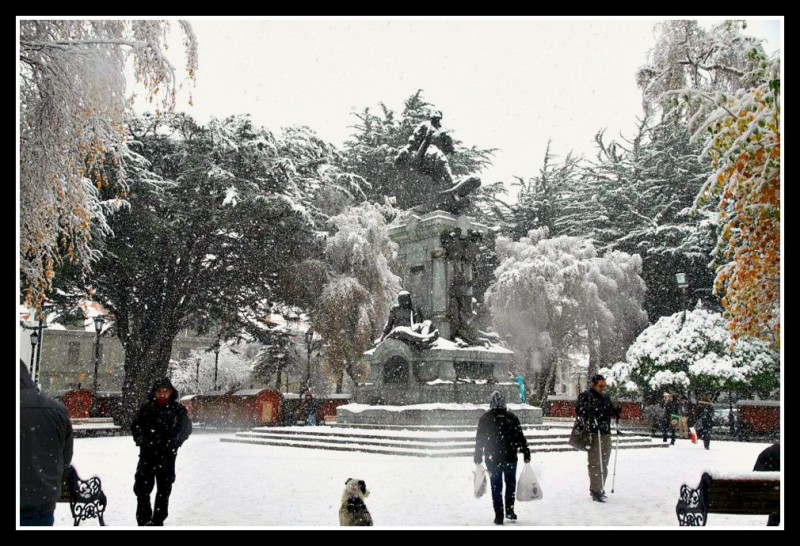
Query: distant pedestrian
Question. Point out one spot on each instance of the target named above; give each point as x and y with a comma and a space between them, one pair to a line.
595, 409
498, 440
669, 419
159, 429
45, 452
769, 460
704, 422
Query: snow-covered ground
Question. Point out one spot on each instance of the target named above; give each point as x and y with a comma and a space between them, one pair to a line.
222, 484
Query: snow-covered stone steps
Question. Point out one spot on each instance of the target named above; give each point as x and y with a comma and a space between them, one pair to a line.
427, 428
440, 443
406, 437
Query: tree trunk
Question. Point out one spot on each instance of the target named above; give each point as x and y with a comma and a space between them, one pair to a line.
339, 380
548, 384
145, 361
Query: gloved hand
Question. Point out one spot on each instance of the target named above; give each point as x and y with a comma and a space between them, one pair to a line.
527, 459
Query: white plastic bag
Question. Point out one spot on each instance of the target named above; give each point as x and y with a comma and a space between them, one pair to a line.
528, 487
479, 481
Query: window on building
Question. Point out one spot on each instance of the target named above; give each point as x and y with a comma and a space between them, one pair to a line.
183, 353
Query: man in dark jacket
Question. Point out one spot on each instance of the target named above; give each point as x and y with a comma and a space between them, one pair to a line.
45, 451
594, 409
499, 438
769, 460
159, 429
705, 421
670, 407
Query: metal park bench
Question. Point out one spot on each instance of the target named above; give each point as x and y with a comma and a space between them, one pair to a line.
85, 497
729, 493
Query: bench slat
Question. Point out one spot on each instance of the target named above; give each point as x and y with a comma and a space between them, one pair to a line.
741, 496
754, 493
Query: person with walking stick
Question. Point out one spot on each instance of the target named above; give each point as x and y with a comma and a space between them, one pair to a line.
595, 408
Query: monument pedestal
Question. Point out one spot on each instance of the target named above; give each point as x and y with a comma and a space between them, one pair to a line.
457, 379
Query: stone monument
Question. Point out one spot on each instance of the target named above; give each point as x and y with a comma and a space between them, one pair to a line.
444, 360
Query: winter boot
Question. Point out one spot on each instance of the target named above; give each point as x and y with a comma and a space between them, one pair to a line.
498, 516
598, 496
510, 506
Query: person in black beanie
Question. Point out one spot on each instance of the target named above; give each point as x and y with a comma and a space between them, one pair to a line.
159, 429
498, 440
595, 409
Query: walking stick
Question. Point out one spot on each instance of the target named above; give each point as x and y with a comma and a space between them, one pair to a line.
616, 454
600, 456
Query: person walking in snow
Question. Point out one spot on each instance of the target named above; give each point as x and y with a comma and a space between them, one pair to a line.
705, 421
45, 451
595, 409
669, 419
159, 429
498, 440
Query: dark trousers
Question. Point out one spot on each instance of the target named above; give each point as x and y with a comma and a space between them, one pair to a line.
153, 470
706, 435
497, 475
42, 517
666, 426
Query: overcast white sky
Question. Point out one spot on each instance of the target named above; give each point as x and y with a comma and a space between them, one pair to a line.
504, 83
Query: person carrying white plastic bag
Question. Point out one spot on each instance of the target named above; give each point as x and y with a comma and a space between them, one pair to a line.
498, 440
528, 487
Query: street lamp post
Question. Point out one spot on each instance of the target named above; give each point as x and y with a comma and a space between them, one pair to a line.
197, 375
42, 324
98, 327
216, 361
34, 343
309, 340
680, 280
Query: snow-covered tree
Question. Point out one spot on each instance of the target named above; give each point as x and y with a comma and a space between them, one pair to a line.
538, 200
724, 85
693, 353
743, 144
217, 216
637, 196
195, 374
73, 105
353, 306
553, 295
687, 56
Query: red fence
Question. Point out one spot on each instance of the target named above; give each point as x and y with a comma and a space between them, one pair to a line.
259, 407
564, 406
759, 417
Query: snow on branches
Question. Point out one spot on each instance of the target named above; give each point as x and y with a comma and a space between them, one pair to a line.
72, 107
694, 352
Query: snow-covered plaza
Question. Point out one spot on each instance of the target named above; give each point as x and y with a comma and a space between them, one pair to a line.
231, 485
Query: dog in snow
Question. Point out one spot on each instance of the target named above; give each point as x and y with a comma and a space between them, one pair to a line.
353, 511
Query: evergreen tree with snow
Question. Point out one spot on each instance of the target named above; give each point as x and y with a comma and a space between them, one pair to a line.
693, 353
217, 215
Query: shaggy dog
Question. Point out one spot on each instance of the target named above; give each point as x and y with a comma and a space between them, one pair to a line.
353, 510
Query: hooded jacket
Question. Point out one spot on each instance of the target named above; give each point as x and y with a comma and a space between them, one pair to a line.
158, 429
45, 446
499, 437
